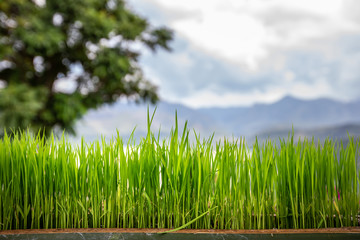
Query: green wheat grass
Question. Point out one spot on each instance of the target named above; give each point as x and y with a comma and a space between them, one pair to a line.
173, 183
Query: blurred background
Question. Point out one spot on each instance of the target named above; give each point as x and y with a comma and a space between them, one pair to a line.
238, 68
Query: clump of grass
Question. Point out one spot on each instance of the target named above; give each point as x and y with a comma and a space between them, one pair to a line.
170, 183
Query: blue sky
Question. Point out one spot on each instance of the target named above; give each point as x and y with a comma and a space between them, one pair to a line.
241, 52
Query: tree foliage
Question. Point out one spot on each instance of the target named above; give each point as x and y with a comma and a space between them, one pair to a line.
87, 44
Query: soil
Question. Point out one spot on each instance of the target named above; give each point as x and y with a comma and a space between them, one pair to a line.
194, 231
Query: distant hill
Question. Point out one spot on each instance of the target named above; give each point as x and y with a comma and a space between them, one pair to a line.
287, 112
339, 133
321, 117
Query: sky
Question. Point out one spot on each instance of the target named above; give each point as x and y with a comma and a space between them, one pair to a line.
241, 52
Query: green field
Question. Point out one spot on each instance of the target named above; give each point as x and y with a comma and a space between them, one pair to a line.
169, 183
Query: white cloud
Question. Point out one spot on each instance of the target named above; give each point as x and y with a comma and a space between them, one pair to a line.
183, 60
208, 98
289, 76
244, 32
319, 88
227, 41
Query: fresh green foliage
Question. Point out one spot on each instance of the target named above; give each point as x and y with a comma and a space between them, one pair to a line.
88, 42
174, 184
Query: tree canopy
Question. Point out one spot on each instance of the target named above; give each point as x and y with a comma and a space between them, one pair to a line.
88, 44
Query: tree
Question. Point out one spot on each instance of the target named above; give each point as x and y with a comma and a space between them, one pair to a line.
88, 43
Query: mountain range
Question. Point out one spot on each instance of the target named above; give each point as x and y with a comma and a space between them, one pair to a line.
319, 118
